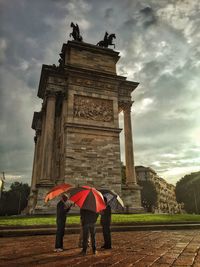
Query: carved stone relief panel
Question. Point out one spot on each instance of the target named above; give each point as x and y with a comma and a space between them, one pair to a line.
91, 108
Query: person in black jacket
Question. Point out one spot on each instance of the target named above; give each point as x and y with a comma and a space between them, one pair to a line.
63, 208
88, 220
105, 223
80, 241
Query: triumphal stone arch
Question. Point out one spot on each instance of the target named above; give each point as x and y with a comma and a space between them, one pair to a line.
77, 130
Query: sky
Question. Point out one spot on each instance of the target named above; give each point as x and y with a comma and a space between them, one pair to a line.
159, 45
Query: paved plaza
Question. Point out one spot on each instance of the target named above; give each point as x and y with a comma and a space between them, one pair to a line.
138, 248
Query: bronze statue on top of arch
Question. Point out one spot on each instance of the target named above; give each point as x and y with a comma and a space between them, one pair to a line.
76, 32
108, 38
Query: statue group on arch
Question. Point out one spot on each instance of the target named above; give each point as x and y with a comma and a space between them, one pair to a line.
107, 41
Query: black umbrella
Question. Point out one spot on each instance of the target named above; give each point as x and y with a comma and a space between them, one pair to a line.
113, 199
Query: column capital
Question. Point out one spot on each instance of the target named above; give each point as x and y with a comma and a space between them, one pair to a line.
125, 105
50, 93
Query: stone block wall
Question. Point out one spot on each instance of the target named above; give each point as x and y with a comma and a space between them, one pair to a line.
90, 57
92, 157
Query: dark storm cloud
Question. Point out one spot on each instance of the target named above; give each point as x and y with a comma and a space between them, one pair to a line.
130, 23
26, 27
148, 16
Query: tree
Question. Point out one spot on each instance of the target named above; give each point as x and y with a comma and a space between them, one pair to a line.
14, 200
148, 195
188, 192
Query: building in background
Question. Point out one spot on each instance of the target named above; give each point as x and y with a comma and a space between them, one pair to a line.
166, 197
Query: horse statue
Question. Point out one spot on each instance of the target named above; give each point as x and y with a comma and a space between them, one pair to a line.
107, 40
75, 32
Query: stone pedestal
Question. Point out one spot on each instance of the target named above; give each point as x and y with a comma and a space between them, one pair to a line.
41, 207
131, 196
32, 201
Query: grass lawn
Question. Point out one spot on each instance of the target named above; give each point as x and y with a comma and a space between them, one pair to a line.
116, 219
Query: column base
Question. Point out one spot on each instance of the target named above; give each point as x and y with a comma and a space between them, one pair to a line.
32, 200
131, 195
41, 207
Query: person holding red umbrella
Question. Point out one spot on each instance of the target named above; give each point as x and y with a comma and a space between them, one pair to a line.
91, 202
88, 220
63, 207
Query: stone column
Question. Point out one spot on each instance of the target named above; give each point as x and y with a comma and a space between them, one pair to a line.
47, 151
40, 144
129, 158
33, 193
34, 172
38, 157
62, 139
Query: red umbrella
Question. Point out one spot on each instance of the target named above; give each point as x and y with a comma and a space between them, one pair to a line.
87, 198
57, 190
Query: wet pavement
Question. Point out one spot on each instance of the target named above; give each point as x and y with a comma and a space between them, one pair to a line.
138, 248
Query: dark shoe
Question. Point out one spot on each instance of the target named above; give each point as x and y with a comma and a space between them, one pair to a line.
83, 253
103, 246
106, 247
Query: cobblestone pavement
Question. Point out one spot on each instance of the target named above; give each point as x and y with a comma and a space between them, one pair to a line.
141, 248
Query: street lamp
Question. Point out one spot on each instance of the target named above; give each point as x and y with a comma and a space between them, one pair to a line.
2, 179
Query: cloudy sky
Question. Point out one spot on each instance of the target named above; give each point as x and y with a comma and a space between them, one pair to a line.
159, 44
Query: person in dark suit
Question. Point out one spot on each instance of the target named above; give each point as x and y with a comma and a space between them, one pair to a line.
105, 223
88, 220
63, 208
